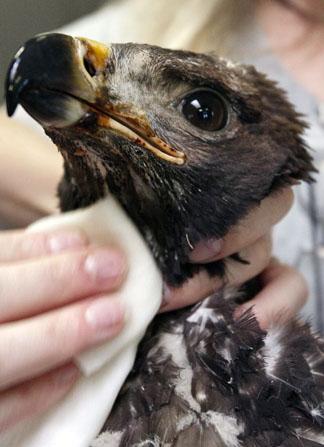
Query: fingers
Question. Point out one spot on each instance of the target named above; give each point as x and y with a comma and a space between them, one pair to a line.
35, 396
201, 285
37, 285
195, 289
44, 342
257, 255
19, 245
258, 222
283, 294
42, 323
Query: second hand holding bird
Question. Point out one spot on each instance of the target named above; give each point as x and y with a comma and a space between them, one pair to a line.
284, 289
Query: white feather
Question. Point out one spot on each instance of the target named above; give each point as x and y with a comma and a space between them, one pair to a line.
272, 350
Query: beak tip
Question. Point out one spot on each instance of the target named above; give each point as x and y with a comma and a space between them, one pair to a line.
11, 102
15, 86
10, 111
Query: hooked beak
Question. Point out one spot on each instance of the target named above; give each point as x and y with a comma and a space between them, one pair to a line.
48, 76
58, 79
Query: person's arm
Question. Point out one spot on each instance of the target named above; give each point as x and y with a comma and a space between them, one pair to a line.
30, 168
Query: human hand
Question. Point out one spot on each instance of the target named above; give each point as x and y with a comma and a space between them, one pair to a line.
54, 301
284, 289
284, 292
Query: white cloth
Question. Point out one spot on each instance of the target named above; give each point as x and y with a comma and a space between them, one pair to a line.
75, 421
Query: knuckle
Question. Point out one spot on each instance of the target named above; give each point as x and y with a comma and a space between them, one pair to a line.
76, 264
29, 244
259, 253
66, 333
66, 270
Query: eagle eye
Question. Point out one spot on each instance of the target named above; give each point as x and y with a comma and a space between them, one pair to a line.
205, 109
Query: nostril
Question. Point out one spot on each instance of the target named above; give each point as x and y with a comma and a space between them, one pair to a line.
88, 65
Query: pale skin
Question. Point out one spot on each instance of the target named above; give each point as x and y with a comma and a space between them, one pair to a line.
54, 294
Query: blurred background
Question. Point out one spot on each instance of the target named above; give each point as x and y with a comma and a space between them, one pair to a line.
22, 19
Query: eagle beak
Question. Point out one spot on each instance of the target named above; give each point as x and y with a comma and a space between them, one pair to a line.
59, 79
49, 77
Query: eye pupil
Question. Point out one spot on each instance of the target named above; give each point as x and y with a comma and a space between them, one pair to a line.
205, 109
205, 114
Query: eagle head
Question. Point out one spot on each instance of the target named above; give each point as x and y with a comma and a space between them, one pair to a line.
188, 143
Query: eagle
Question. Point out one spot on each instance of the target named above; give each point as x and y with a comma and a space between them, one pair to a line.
187, 144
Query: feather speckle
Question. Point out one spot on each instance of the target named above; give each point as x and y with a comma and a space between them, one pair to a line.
229, 384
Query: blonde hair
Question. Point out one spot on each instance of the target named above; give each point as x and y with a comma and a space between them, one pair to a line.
208, 25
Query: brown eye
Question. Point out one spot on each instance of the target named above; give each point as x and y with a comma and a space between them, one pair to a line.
205, 109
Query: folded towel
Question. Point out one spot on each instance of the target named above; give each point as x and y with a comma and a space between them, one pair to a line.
75, 421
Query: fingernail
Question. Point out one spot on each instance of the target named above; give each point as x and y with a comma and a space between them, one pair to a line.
104, 313
206, 251
105, 265
63, 241
67, 375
